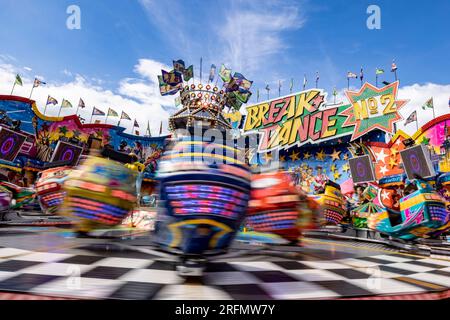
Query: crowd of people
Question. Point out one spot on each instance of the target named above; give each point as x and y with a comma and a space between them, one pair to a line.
310, 182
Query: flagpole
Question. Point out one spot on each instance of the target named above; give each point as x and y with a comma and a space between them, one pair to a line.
348, 83
31, 91
417, 124
78, 108
60, 107
376, 80
14, 85
434, 116
107, 115
92, 115
201, 70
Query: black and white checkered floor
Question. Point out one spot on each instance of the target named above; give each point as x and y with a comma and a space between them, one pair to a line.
82, 272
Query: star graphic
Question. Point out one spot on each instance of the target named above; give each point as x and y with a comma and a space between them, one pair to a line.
392, 162
320, 155
317, 100
384, 195
283, 158
398, 142
383, 122
425, 141
333, 167
345, 167
394, 151
383, 170
335, 155
306, 155
336, 175
346, 156
381, 156
294, 156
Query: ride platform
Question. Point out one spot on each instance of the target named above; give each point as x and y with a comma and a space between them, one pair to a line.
50, 262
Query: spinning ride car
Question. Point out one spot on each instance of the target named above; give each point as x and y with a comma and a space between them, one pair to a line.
21, 195
203, 196
49, 188
422, 212
332, 203
100, 193
6, 198
274, 205
362, 213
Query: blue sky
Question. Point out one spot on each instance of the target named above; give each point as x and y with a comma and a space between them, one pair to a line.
265, 40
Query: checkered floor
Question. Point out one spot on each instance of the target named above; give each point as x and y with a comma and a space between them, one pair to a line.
88, 274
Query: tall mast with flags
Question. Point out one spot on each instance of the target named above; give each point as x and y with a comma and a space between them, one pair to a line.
17, 81
361, 76
81, 105
394, 69
305, 81
36, 84
268, 91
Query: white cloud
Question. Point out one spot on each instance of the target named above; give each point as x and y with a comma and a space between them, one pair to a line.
418, 95
253, 35
139, 97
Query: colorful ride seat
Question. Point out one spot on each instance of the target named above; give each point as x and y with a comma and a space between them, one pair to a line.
274, 205
100, 193
6, 198
422, 212
332, 203
49, 188
21, 195
204, 192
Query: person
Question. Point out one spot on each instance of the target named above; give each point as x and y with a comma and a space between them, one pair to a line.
358, 197
319, 180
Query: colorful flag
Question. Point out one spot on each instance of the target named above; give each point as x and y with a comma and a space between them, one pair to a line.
136, 124
428, 104
233, 101
51, 100
317, 76
97, 112
178, 65
242, 81
37, 83
66, 104
351, 75
166, 89
212, 73
112, 113
188, 73
393, 67
412, 117
334, 92
379, 71
81, 104
18, 80
124, 116
173, 77
243, 95
224, 73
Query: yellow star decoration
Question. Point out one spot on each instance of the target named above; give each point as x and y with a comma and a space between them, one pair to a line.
346, 156
294, 155
392, 162
336, 175
320, 155
283, 158
335, 155
306, 156
268, 156
345, 167
394, 152
333, 167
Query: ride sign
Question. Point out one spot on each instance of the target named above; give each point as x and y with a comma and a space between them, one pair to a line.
303, 117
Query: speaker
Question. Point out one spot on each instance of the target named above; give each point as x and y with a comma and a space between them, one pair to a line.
66, 153
417, 161
10, 143
362, 169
